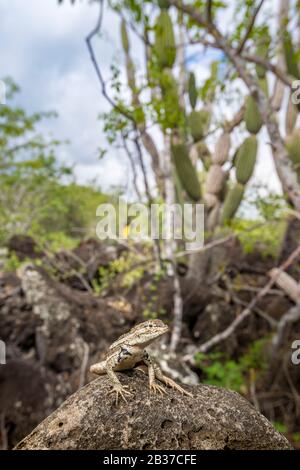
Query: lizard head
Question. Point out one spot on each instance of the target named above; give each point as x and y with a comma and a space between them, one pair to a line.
149, 330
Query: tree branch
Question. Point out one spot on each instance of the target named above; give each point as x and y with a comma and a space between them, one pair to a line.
250, 27
277, 71
95, 31
291, 316
246, 312
209, 11
133, 168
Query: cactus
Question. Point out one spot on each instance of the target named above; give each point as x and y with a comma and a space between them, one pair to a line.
204, 154
213, 216
192, 90
215, 179
168, 84
210, 200
252, 116
224, 190
246, 159
163, 4
124, 37
232, 202
186, 172
290, 56
292, 145
263, 83
234, 158
172, 112
164, 47
130, 69
199, 123
222, 149
262, 51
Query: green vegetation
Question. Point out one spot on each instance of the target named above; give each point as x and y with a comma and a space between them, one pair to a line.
38, 195
127, 270
233, 374
267, 238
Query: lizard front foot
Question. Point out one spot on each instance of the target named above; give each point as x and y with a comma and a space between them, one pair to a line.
154, 387
120, 390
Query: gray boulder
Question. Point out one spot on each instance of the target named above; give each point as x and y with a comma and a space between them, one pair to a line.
214, 418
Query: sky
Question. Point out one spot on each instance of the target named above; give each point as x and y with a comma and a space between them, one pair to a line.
42, 47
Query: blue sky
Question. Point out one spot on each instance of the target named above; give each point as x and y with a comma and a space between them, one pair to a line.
42, 48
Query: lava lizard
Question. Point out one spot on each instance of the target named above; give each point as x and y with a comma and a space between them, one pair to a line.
129, 350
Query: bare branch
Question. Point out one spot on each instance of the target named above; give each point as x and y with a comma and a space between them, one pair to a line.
133, 168
286, 283
95, 31
247, 311
292, 315
277, 71
236, 120
250, 27
143, 168
209, 11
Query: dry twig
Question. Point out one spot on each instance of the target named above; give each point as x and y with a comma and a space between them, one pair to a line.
245, 313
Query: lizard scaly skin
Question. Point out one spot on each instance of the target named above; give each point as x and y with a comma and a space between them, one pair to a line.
129, 350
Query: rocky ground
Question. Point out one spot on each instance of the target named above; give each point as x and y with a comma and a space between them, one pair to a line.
55, 324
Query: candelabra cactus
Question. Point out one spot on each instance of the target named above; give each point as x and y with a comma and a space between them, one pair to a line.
232, 202
188, 130
165, 48
262, 50
290, 56
186, 171
252, 116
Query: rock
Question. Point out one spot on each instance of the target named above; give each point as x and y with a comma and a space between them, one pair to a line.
49, 329
23, 397
214, 419
24, 247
